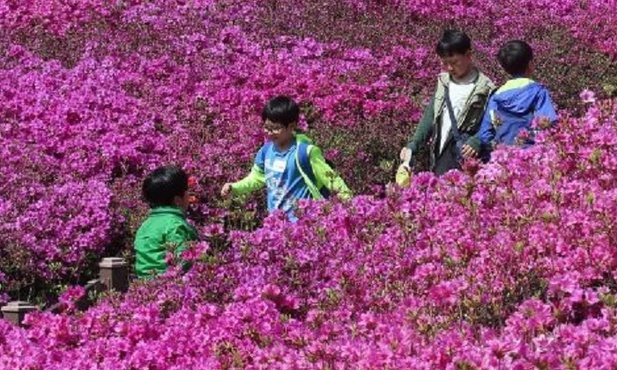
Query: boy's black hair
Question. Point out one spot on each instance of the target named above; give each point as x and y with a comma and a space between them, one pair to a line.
163, 184
453, 42
515, 57
281, 109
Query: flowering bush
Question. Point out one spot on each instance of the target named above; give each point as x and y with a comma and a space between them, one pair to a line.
512, 267
505, 265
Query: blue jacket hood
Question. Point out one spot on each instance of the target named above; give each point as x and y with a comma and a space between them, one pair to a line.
518, 96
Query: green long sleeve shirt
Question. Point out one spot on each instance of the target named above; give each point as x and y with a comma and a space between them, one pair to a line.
164, 226
324, 174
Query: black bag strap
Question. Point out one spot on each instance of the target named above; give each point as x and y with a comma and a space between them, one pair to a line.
456, 135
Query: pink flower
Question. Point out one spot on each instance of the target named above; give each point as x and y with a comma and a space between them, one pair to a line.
271, 292
71, 295
588, 96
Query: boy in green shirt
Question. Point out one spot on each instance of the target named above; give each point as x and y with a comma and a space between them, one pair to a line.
166, 191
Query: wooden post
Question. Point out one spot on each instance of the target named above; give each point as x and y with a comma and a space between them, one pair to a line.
93, 286
114, 274
15, 311
82, 304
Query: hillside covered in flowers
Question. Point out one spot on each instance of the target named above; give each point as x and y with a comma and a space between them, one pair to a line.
505, 265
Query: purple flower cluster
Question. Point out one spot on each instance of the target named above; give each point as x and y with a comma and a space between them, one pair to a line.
512, 267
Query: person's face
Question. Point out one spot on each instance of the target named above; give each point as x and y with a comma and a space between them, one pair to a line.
279, 134
458, 65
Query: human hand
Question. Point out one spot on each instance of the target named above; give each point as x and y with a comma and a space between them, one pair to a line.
226, 190
468, 152
405, 155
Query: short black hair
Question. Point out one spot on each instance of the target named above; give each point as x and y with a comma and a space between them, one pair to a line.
163, 184
281, 109
453, 42
515, 56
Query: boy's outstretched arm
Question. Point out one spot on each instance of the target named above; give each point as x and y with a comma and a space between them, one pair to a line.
255, 180
423, 129
326, 176
486, 133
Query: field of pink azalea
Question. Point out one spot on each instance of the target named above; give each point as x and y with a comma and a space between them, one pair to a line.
508, 265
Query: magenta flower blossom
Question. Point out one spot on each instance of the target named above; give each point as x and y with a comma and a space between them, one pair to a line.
588, 96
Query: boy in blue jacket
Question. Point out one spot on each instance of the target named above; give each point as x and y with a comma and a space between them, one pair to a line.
515, 105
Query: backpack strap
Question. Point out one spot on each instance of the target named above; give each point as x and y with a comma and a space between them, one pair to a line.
303, 162
456, 134
264, 153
